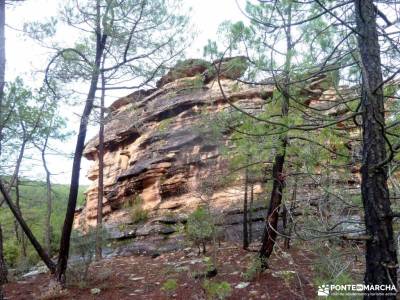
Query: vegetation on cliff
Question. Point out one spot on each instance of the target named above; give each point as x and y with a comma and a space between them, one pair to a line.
274, 159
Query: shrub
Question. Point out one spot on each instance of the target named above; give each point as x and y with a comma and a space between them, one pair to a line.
328, 268
138, 214
10, 252
200, 228
255, 268
164, 124
83, 250
217, 290
170, 286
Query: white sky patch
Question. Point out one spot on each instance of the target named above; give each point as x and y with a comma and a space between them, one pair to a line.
25, 58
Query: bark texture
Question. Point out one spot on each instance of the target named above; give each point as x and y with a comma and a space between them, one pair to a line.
381, 259
270, 230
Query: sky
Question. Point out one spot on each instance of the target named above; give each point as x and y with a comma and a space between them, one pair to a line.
26, 58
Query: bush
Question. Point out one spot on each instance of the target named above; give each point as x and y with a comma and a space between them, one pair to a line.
255, 268
164, 124
170, 286
200, 228
328, 268
138, 214
217, 290
11, 250
83, 250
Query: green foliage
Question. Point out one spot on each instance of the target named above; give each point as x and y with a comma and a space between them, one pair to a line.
236, 66
11, 252
217, 290
181, 68
330, 268
170, 285
137, 212
356, 200
130, 28
254, 269
209, 264
28, 118
200, 227
33, 207
164, 125
195, 84
41, 30
252, 139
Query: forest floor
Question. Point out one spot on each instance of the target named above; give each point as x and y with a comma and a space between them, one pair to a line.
173, 276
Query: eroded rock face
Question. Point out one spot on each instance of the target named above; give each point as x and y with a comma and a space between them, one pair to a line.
157, 147
160, 149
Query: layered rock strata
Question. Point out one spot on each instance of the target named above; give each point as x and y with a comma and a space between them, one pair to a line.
161, 153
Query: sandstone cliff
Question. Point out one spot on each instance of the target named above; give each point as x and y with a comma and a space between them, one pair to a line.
160, 151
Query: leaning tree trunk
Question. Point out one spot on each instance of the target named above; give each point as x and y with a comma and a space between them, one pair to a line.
42, 254
381, 259
271, 222
74, 187
271, 226
20, 235
76, 167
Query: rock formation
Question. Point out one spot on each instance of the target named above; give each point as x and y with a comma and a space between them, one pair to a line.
160, 153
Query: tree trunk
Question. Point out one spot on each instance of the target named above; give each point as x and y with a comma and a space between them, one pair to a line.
251, 214
245, 220
271, 222
3, 267
42, 254
74, 187
270, 229
48, 229
76, 167
381, 259
20, 235
16, 225
100, 187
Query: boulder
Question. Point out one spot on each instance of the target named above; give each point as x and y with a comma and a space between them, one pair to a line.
186, 68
